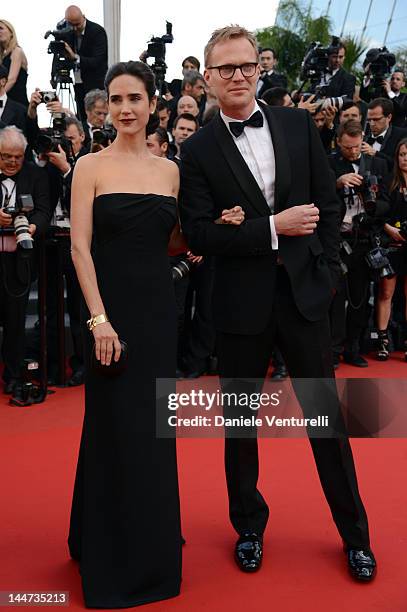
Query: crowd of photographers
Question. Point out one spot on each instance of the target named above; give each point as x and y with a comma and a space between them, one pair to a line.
363, 129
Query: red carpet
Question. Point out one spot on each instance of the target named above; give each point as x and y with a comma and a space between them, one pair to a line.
304, 568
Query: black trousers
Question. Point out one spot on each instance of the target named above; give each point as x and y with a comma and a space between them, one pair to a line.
15, 281
306, 349
79, 99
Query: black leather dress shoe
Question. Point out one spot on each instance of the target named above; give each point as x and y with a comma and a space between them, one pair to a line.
9, 386
279, 373
361, 563
76, 379
249, 552
355, 359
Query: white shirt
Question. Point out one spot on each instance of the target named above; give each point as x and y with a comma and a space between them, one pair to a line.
8, 242
256, 147
3, 98
376, 146
260, 82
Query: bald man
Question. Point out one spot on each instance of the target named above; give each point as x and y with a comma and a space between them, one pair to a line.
87, 46
187, 104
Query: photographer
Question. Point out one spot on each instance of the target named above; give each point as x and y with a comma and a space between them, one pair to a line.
324, 68
383, 138
96, 110
192, 85
24, 210
340, 83
86, 45
377, 66
396, 228
364, 204
393, 90
11, 112
189, 63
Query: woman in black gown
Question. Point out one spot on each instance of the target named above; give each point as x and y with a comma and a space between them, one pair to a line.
125, 521
14, 59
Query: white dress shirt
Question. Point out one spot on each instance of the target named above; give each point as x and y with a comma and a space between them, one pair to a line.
8, 242
260, 82
256, 147
377, 146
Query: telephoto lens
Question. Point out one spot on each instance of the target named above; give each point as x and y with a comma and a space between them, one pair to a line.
22, 231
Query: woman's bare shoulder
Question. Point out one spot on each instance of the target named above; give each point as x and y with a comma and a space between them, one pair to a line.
166, 165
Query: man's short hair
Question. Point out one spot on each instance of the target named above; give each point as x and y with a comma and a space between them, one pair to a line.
187, 117
384, 103
93, 96
192, 60
74, 121
228, 33
191, 77
349, 104
13, 134
162, 104
275, 96
350, 128
162, 136
262, 49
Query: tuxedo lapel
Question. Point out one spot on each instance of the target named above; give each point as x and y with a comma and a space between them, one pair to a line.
282, 160
7, 113
386, 138
239, 167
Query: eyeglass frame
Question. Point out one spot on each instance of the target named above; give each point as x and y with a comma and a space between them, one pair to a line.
254, 64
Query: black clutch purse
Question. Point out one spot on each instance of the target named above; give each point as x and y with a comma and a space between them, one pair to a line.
116, 367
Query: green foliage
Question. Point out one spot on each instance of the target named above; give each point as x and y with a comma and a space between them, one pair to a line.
356, 48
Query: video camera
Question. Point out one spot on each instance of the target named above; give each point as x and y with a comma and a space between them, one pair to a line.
50, 138
103, 136
62, 64
156, 49
380, 62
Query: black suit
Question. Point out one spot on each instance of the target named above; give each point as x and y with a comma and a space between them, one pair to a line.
256, 302
19, 271
93, 61
341, 84
14, 113
271, 80
389, 145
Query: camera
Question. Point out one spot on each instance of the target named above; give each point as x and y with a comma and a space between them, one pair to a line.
62, 64
28, 392
381, 62
103, 136
181, 269
379, 264
23, 205
50, 138
316, 60
156, 50
48, 96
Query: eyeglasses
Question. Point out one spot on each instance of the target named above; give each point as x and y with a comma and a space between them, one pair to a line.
227, 71
375, 119
6, 157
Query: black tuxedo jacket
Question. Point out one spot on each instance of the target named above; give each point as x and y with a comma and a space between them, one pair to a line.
400, 110
271, 80
214, 176
93, 55
390, 142
14, 113
341, 84
377, 166
33, 180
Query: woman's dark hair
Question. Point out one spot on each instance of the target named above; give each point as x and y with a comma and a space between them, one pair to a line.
141, 71
398, 178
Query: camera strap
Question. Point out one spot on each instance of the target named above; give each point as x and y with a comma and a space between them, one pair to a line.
8, 195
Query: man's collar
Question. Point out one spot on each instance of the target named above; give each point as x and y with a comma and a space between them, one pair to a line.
381, 133
4, 98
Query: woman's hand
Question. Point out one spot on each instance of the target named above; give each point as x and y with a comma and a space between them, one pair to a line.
106, 343
394, 233
232, 216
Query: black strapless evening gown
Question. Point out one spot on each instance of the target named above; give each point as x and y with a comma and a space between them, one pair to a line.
18, 92
125, 520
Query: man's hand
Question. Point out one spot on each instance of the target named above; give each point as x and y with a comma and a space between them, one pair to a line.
394, 233
34, 101
59, 160
54, 107
194, 258
330, 112
368, 149
233, 216
32, 228
297, 220
70, 51
386, 86
308, 104
352, 179
5, 219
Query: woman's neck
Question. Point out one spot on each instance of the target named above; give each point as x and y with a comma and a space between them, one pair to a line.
132, 144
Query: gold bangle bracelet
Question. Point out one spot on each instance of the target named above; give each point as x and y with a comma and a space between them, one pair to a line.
96, 320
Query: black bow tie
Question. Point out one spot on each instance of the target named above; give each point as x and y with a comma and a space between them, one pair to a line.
371, 140
237, 127
1, 103
4, 177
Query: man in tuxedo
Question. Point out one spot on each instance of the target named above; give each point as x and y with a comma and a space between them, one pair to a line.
11, 112
384, 137
341, 83
273, 277
87, 47
357, 238
17, 178
193, 85
96, 110
268, 77
393, 90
